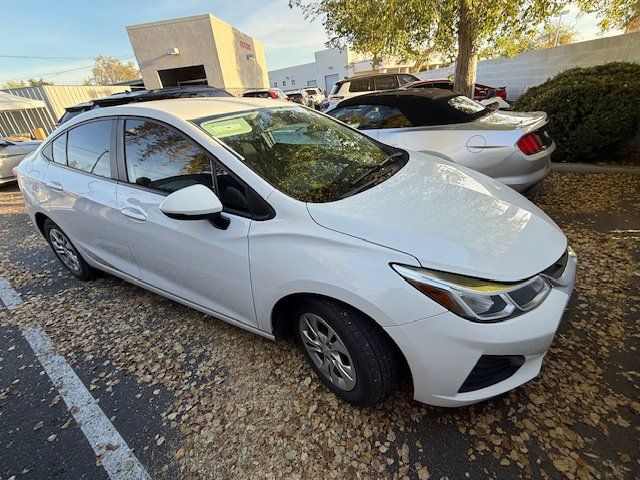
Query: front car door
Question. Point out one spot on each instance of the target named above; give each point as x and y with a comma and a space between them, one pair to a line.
190, 259
81, 193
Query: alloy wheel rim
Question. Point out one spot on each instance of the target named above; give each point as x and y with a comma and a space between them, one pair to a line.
64, 249
327, 351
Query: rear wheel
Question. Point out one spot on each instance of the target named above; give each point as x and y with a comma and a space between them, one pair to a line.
352, 356
66, 252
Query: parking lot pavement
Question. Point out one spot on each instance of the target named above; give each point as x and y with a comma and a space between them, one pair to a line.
193, 397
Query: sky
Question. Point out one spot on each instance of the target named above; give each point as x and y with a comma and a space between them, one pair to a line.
76, 31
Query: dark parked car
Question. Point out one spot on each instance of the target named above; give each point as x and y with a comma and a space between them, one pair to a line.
143, 96
274, 93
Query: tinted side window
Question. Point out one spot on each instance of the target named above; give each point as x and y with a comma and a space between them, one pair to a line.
88, 148
394, 118
160, 157
60, 149
406, 78
387, 82
359, 85
362, 117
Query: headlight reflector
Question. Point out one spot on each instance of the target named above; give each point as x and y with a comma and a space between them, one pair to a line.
476, 299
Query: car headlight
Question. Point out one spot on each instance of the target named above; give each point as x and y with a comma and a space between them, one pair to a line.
475, 299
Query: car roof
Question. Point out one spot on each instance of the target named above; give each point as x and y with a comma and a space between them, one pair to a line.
420, 106
184, 108
400, 98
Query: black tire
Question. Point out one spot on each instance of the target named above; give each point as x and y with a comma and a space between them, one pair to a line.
374, 358
83, 271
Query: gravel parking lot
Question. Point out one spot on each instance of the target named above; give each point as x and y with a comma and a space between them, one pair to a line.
197, 398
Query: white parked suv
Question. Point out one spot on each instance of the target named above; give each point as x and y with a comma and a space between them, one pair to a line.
288, 223
354, 86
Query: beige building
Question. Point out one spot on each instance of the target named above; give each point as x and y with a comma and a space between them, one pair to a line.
198, 50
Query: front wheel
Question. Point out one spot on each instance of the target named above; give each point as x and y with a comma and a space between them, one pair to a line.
350, 354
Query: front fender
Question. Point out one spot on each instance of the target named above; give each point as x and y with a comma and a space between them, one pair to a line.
294, 258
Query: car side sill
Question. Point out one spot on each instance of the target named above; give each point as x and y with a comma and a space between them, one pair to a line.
175, 298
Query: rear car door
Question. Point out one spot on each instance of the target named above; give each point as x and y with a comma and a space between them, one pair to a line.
191, 259
81, 193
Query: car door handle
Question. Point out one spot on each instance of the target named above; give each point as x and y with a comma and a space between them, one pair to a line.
54, 186
133, 213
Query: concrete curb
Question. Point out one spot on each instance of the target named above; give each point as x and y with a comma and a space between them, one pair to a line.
588, 168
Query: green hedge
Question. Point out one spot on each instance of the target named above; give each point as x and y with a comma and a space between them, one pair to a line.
593, 112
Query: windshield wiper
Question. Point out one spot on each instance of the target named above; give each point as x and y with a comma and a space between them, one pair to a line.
377, 167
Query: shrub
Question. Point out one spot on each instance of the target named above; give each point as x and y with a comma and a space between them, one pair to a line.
593, 112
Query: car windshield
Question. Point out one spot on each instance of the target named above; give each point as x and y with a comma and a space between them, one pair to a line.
304, 154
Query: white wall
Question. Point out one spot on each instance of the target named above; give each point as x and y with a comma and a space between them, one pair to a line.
533, 68
292, 78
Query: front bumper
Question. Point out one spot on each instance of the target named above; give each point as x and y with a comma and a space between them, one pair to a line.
443, 350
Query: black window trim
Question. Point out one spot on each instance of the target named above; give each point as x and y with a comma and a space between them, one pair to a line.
252, 195
112, 148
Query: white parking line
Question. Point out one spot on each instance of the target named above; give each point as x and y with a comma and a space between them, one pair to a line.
117, 459
8, 295
115, 455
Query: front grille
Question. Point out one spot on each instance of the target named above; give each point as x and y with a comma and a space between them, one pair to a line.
491, 369
557, 269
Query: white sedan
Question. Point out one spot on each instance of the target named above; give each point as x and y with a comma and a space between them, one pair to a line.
514, 148
287, 223
11, 154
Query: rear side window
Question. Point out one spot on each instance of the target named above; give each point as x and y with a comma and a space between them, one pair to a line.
362, 117
160, 157
388, 82
88, 148
394, 118
60, 149
360, 85
405, 78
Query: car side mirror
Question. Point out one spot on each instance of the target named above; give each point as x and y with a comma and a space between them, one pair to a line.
195, 202
493, 106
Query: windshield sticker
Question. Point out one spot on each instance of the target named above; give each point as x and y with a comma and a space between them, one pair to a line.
226, 128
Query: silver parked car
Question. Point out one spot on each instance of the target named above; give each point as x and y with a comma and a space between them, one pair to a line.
11, 154
514, 148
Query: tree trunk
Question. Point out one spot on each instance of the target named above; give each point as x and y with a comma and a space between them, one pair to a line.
467, 60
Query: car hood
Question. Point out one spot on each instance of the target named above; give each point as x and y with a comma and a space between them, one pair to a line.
451, 219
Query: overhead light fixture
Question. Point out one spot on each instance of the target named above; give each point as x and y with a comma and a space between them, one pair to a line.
173, 51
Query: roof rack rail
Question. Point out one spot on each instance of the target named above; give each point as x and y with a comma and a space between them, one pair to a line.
160, 94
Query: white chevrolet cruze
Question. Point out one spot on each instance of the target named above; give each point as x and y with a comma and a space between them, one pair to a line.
288, 223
